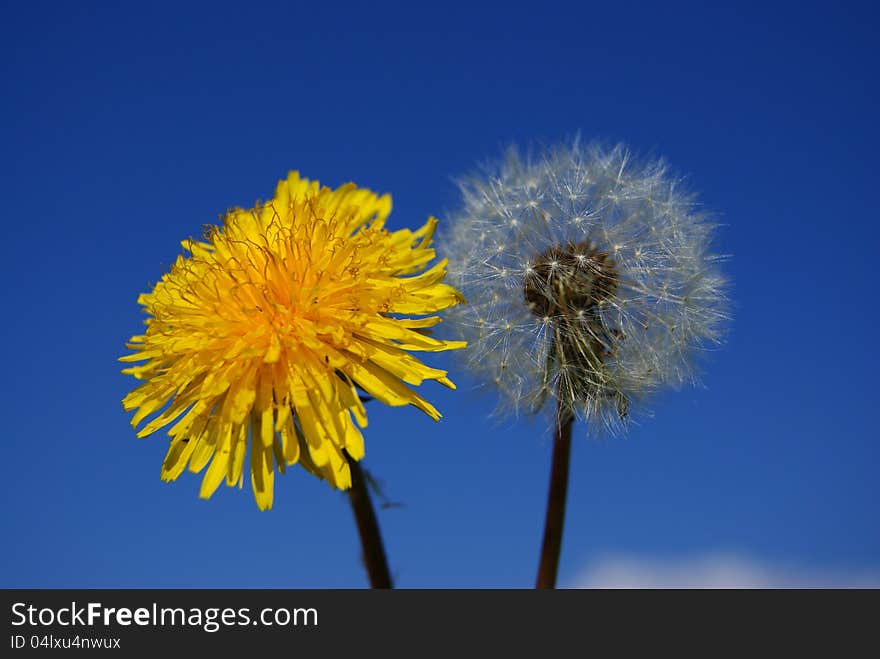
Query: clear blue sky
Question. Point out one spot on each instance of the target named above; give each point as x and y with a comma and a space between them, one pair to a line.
126, 129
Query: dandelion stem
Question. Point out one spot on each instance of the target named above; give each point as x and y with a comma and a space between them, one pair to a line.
558, 490
368, 528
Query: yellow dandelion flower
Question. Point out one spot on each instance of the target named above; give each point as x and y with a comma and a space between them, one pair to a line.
265, 332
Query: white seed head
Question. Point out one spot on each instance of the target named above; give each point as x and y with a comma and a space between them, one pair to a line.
619, 294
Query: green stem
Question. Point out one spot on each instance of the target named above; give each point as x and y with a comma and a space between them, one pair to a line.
555, 517
368, 528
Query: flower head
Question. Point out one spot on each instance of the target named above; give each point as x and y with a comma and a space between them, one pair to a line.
265, 332
589, 280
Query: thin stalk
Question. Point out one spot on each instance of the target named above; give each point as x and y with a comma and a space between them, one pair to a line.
368, 528
556, 496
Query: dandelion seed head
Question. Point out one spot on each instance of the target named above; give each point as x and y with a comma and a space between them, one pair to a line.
610, 292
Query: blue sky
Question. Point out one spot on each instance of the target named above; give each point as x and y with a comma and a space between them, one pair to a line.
127, 128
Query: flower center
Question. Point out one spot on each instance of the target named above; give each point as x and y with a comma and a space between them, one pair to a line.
569, 281
567, 285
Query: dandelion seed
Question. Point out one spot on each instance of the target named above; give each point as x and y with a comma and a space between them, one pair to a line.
630, 287
264, 334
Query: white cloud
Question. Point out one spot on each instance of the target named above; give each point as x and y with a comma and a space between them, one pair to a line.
716, 570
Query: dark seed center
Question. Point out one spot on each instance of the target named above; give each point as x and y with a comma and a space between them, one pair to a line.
569, 280
567, 285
